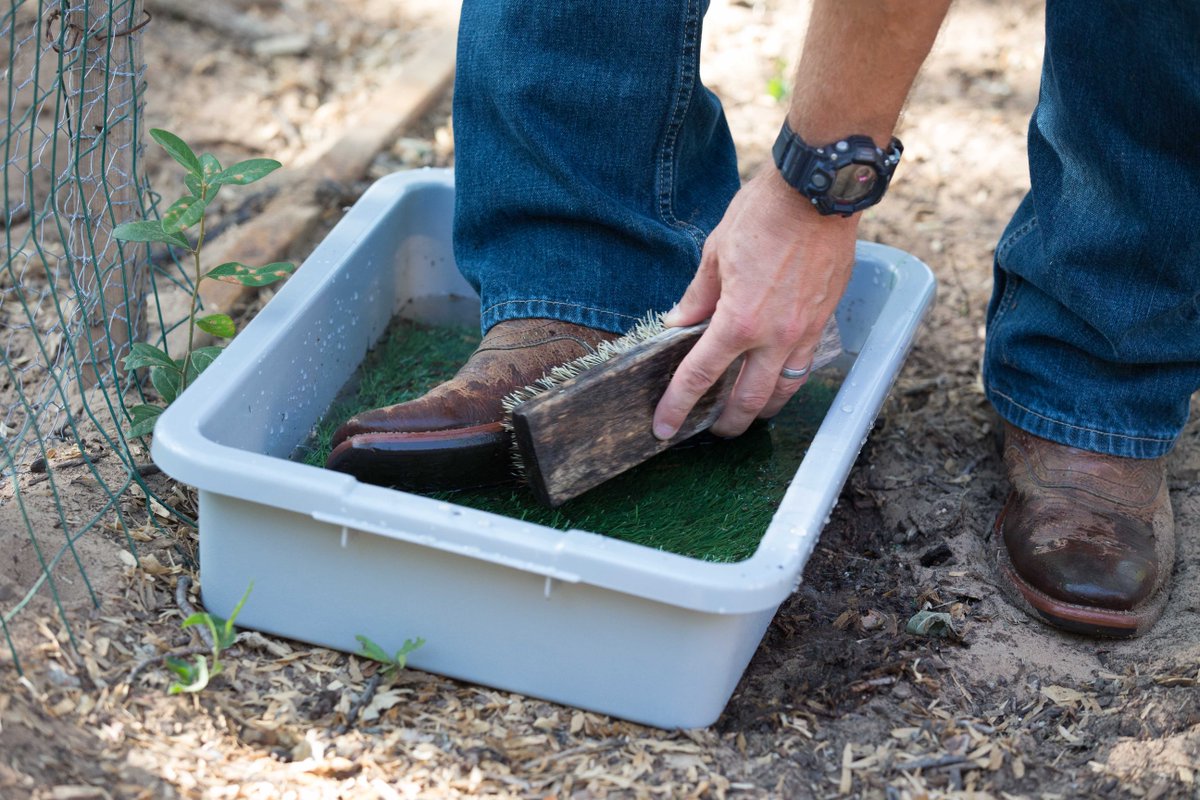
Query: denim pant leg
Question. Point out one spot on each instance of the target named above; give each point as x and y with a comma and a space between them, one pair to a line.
1093, 335
591, 162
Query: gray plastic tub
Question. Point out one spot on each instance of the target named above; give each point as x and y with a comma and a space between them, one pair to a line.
573, 617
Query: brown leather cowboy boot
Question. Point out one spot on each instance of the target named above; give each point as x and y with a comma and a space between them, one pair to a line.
1085, 542
452, 436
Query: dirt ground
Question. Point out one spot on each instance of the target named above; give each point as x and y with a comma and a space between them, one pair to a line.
838, 701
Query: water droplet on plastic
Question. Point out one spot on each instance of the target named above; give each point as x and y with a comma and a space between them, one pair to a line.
848, 408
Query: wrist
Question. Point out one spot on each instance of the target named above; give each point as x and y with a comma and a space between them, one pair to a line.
798, 207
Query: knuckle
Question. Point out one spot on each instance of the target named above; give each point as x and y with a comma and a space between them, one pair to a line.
785, 389
742, 329
751, 402
698, 378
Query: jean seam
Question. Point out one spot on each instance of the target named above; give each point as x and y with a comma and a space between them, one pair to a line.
1027, 409
1011, 284
683, 98
1012, 281
1020, 233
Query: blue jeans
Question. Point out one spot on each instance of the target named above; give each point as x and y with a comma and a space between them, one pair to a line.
1093, 336
590, 162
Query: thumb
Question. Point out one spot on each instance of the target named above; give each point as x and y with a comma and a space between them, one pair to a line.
700, 299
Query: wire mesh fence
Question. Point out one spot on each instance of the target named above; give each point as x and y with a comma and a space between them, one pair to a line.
72, 298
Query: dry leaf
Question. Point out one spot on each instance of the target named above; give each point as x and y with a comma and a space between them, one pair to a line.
152, 566
872, 620
64, 455
64, 706
1070, 737
1061, 695
142, 534
381, 703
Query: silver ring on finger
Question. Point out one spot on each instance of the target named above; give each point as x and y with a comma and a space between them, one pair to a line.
793, 374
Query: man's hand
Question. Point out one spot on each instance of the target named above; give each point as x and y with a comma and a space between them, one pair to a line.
770, 276
774, 269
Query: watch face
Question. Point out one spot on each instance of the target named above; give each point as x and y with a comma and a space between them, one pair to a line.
853, 182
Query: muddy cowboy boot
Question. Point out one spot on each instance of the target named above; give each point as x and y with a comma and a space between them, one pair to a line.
1086, 541
452, 437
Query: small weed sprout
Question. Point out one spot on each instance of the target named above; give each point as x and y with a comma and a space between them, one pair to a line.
194, 676
204, 178
777, 85
392, 664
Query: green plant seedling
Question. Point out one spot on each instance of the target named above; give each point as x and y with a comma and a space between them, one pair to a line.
204, 177
194, 676
777, 87
391, 663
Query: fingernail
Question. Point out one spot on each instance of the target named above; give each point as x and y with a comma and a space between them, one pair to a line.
663, 431
671, 318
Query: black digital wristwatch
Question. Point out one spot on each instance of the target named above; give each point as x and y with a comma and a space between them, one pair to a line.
839, 178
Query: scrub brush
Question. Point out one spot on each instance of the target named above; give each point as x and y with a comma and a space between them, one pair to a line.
590, 419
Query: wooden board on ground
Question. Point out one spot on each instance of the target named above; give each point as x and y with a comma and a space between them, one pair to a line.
296, 209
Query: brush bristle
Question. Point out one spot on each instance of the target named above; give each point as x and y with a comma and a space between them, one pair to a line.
646, 328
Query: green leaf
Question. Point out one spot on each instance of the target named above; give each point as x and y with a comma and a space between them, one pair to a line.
150, 230
224, 634
248, 171
143, 416
391, 663
238, 608
143, 354
214, 624
776, 88
210, 168
167, 382
197, 618
202, 357
193, 679
409, 646
236, 272
218, 627
178, 149
183, 213
373, 651
195, 185
218, 325
183, 669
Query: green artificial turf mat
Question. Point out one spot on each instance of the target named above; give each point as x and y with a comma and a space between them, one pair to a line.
711, 500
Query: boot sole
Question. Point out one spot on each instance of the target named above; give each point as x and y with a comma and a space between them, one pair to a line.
428, 461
